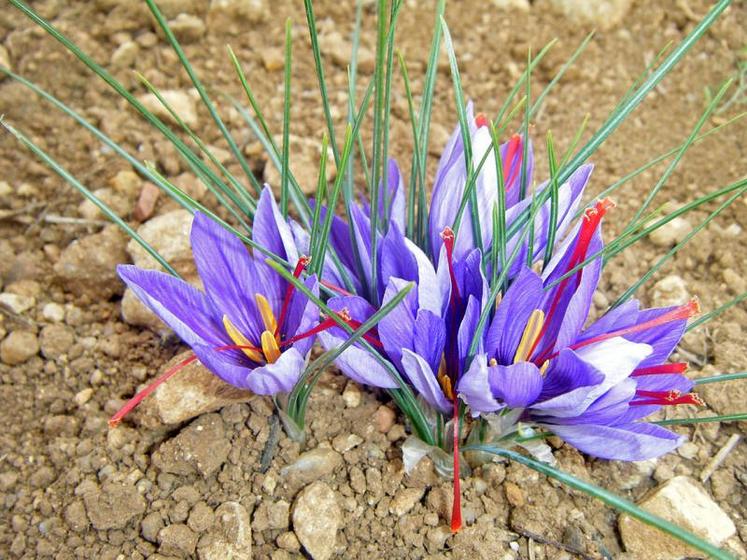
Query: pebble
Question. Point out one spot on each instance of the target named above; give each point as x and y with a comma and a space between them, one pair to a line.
182, 102
17, 303
87, 266
177, 539
125, 55
384, 418
602, 14
670, 233
169, 235
232, 16
56, 340
316, 520
53, 312
351, 396
273, 59
231, 536
82, 397
119, 204
4, 59
733, 280
405, 499
146, 202
18, 347
112, 506
346, 442
683, 502
202, 447
288, 541
193, 392
201, 517
150, 526
670, 290
187, 28
311, 466
271, 515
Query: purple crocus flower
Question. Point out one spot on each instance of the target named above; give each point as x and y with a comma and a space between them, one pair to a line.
589, 386
249, 327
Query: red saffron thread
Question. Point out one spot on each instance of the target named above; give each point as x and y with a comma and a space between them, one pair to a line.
456, 510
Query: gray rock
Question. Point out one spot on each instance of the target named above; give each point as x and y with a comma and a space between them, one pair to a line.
603, 14
125, 55
18, 347
169, 235
232, 16
113, 505
683, 502
114, 200
192, 392
670, 290
202, 447
56, 340
177, 539
670, 233
311, 466
231, 536
405, 499
87, 266
187, 28
182, 102
16, 303
150, 526
316, 520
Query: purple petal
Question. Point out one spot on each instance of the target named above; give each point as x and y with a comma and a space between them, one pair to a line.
271, 231
397, 328
430, 337
467, 328
231, 277
302, 316
474, 388
393, 205
395, 258
517, 385
358, 364
179, 305
430, 293
626, 442
424, 380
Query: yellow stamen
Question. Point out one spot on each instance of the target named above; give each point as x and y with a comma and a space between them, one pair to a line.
528, 338
544, 367
240, 340
270, 347
444, 380
268, 317
493, 362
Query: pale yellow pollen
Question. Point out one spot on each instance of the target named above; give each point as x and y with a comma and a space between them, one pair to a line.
444, 380
544, 367
270, 347
529, 337
493, 362
268, 317
240, 340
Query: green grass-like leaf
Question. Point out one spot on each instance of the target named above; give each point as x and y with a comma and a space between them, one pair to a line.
704, 420
721, 378
609, 498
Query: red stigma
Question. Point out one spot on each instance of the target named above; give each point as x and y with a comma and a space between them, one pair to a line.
302, 263
666, 398
448, 237
679, 367
514, 148
481, 120
456, 509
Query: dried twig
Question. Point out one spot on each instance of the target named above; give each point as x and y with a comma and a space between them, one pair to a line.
719, 457
272, 442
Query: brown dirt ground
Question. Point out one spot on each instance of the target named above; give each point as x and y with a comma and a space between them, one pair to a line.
53, 450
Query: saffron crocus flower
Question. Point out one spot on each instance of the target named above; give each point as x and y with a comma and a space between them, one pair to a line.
249, 327
589, 386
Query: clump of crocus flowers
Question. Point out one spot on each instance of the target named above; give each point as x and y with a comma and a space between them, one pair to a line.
480, 342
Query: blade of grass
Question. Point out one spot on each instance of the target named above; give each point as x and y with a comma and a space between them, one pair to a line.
319, 68
108, 212
286, 120
609, 498
651, 271
416, 168
499, 211
554, 201
525, 148
721, 378
687, 421
465, 129
321, 194
352, 78
171, 38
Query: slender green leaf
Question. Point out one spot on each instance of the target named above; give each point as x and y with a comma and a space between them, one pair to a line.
720, 378
286, 119
552, 226
703, 420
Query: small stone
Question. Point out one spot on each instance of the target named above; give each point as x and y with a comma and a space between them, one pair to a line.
113, 506
734, 281
87, 266
288, 541
604, 14
82, 397
346, 442
683, 502
53, 312
351, 396
670, 290
311, 466
231, 536
514, 494
271, 515
125, 55
232, 16
201, 518
521, 5
146, 202
404, 500
670, 233
182, 102
126, 183
169, 235
75, 516
193, 392
177, 539
119, 204
18, 347
150, 526
187, 28
202, 447
384, 418
4, 59
273, 59
56, 340
316, 519
16, 303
